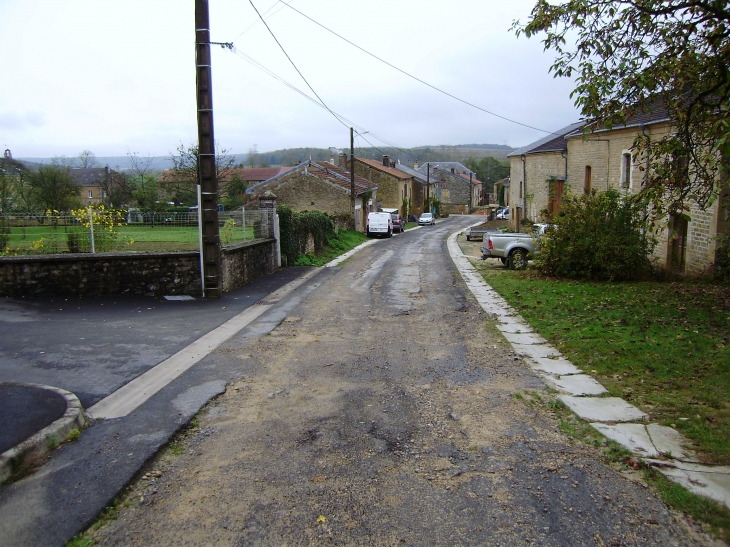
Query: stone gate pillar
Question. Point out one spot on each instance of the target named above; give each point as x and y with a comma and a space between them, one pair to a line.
267, 204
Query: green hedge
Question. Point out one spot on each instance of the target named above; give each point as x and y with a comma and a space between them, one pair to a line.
295, 229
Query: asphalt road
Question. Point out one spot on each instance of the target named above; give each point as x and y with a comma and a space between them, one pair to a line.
92, 347
379, 412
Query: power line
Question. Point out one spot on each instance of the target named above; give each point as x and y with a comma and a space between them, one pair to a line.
256, 22
261, 67
295, 66
415, 77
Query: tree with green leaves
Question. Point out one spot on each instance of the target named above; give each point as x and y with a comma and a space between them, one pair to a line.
180, 181
54, 188
633, 56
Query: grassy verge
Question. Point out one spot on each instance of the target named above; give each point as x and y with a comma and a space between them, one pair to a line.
661, 346
337, 245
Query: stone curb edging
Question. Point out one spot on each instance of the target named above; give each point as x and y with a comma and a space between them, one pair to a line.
38, 444
611, 416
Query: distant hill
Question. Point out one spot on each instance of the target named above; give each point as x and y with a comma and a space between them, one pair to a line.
290, 156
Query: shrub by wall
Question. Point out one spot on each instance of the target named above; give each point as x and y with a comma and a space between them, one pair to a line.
598, 236
296, 229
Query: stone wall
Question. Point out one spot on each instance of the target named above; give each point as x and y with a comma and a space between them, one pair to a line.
310, 193
539, 168
603, 153
391, 189
244, 263
153, 274
452, 191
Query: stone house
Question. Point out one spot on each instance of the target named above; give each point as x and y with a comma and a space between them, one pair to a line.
419, 187
395, 187
538, 176
449, 183
321, 186
94, 182
603, 159
572, 161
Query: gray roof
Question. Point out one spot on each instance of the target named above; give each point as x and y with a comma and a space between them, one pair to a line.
446, 166
420, 177
654, 111
90, 176
554, 142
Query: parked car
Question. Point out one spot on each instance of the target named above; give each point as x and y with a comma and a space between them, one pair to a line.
503, 214
379, 224
426, 219
512, 249
398, 223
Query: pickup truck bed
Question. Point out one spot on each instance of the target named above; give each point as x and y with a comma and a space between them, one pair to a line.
477, 233
512, 249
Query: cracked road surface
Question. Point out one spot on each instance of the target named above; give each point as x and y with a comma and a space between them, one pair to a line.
379, 413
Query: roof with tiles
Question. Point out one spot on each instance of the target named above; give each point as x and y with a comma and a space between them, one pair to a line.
473, 178
323, 170
375, 164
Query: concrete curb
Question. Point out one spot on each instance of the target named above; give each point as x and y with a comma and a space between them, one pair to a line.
611, 416
36, 445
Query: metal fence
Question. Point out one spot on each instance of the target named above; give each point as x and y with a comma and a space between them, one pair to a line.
93, 230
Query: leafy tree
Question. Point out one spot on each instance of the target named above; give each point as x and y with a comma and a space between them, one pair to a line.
86, 160
598, 236
488, 170
180, 181
235, 195
54, 187
630, 56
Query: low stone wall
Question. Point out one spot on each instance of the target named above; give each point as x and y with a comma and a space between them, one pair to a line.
153, 273
246, 262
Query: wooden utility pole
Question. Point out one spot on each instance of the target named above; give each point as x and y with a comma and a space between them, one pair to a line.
208, 206
352, 177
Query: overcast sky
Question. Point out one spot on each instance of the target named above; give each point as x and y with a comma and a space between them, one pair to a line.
113, 77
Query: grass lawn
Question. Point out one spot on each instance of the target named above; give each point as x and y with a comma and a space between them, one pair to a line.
661, 346
336, 246
133, 237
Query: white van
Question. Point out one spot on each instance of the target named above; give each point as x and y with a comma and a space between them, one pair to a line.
379, 224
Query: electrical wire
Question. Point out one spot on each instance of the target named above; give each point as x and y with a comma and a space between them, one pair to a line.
414, 77
295, 66
357, 126
257, 21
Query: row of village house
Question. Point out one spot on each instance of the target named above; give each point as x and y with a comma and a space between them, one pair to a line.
569, 161
325, 186
540, 175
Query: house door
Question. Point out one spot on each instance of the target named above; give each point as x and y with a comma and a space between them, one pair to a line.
677, 243
556, 195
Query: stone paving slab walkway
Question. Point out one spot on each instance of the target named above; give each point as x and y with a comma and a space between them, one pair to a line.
611, 416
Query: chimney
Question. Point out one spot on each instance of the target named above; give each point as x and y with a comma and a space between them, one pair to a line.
343, 161
415, 166
392, 164
386, 161
106, 168
332, 158
452, 170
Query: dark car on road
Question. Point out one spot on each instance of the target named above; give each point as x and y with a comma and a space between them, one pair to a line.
398, 223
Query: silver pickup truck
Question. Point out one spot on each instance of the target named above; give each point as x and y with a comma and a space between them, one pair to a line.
513, 249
